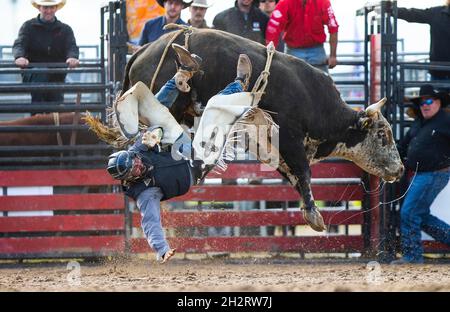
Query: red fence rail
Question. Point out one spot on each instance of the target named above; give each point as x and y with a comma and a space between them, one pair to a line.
96, 223
328, 184
78, 225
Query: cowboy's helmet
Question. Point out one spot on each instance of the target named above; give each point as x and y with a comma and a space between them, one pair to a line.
120, 164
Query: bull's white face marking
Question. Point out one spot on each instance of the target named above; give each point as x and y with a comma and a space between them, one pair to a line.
377, 153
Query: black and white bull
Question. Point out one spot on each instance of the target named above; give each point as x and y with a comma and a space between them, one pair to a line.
315, 123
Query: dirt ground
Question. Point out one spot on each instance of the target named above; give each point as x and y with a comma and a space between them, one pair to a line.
241, 275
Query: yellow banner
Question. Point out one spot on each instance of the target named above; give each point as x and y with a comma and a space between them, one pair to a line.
139, 12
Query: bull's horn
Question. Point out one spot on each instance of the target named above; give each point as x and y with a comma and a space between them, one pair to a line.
374, 108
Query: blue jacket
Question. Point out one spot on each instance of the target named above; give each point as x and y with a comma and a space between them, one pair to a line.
153, 29
172, 176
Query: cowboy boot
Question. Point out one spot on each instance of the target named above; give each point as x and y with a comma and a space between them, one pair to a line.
190, 64
244, 70
314, 219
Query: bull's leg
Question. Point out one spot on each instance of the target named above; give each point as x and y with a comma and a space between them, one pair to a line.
295, 167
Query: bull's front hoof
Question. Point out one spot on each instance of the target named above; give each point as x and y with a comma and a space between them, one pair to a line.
314, 219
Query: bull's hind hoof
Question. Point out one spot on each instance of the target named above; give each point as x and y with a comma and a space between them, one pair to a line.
314, 219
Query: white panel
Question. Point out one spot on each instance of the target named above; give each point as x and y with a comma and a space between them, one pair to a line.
440, 208
29, 191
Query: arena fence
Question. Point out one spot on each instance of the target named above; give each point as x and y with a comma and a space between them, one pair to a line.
79, 215
82, 213
332, 182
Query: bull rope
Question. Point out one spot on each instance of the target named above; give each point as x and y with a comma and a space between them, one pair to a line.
264, 76
246, 118
187, 30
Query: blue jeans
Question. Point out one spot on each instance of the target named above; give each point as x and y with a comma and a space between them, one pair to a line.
168, 94
416, 217
315, 56
148, 203
231, 88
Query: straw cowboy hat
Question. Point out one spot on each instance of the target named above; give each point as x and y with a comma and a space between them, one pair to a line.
185, 3
200, 4
59, 3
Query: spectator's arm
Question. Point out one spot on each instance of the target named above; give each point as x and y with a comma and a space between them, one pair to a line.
415, 15
72, 50
332, 60
20, 44
329, 19
277, 22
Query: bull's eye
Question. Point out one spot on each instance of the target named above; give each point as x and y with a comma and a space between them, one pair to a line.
381, 134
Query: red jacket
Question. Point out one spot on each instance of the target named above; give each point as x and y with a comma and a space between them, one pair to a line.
303, 27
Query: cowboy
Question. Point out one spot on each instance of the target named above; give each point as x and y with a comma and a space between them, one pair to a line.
154, 28
303, 24
425, 149
198, 10
151, 174
245, 19
45, 39
267, 6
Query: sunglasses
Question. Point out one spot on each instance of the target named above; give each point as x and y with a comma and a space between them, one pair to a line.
264, 1
427, 102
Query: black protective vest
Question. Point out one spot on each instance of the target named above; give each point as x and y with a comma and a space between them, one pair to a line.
172, 176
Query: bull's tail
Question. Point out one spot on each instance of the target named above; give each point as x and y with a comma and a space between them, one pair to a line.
110, 135
126, 80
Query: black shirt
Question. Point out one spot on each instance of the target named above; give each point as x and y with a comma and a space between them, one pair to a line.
427, 143
251, 26
45, 42
439, 20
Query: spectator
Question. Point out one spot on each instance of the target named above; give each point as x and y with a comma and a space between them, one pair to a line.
45, 39
268, 6
425, 148
244, 19
150, 175
439, 20
154, 28
198, 10
303, 24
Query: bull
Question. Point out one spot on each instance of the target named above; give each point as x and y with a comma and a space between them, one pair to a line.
314, 121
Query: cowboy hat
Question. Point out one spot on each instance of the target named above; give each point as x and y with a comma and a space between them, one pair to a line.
200, 4
428, 91
185, 3
58, 3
